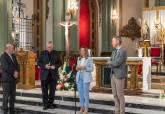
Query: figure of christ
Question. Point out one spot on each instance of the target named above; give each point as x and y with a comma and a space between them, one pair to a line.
67, 25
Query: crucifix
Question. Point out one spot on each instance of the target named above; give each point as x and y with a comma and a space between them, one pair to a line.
67, 25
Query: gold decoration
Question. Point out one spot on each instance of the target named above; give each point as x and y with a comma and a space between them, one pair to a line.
131, 30
26, 59
133, 79
145, 45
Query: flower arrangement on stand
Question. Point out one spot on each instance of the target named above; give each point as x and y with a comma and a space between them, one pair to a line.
67, 77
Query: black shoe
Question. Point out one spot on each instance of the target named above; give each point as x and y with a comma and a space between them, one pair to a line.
12, 112
115, 113
52, 106
5, 112
45, 108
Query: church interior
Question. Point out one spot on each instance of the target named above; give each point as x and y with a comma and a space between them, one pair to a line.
71, 24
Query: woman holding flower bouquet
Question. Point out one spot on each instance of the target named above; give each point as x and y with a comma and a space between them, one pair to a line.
83, 78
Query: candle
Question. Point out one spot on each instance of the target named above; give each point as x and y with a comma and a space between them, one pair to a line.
140, 52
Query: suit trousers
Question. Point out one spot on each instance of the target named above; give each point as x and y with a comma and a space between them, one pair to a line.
83, 89
9, 93
118, 93
48, 90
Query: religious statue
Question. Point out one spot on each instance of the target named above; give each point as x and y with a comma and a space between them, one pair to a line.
160, 33
145, 30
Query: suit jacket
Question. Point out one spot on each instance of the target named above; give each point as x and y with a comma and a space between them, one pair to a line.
9, 67
54, 60
87, 74
118, 63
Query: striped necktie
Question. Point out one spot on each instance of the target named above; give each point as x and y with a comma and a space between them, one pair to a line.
115, 53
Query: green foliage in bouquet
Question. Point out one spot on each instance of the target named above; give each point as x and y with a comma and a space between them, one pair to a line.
66, 78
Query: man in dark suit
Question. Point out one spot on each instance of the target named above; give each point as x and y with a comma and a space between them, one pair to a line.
10, 73
118, 74
49, 62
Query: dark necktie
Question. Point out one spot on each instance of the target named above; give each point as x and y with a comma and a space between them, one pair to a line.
115, 53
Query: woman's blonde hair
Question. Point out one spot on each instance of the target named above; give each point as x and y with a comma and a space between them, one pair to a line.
86, 52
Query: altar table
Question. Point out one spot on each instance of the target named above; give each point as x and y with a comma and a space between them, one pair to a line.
133, 63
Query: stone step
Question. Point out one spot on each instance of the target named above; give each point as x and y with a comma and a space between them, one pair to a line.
158, 79
154, 79
139, 102
105, 101
154, 85
31, 109
33, 97
108, 102
158, 82
67, 107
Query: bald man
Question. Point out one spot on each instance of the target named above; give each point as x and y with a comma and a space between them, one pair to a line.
49, 62
10, 73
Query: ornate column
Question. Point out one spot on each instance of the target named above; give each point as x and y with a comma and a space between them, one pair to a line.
5, 22
58, 32
108, 30
98, 75
26, 59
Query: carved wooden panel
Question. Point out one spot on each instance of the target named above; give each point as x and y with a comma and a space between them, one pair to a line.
38, 28
94, 26
134, 75
26, 59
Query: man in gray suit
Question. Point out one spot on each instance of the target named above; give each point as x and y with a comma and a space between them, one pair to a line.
118, 74
10, 73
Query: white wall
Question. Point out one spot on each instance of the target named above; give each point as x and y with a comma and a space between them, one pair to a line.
131, 8
28, 10
130, 46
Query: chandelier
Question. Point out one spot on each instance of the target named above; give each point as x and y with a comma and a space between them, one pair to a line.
72, 7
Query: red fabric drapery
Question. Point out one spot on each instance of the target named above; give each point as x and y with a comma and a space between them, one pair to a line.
84, 24
37, 73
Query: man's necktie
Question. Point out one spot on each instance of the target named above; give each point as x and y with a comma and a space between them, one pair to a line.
11, 58
115, 53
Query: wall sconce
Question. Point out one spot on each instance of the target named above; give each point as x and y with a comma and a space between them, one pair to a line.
72, 7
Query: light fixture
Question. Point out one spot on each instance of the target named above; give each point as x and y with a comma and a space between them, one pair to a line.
13, 34
72, 7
